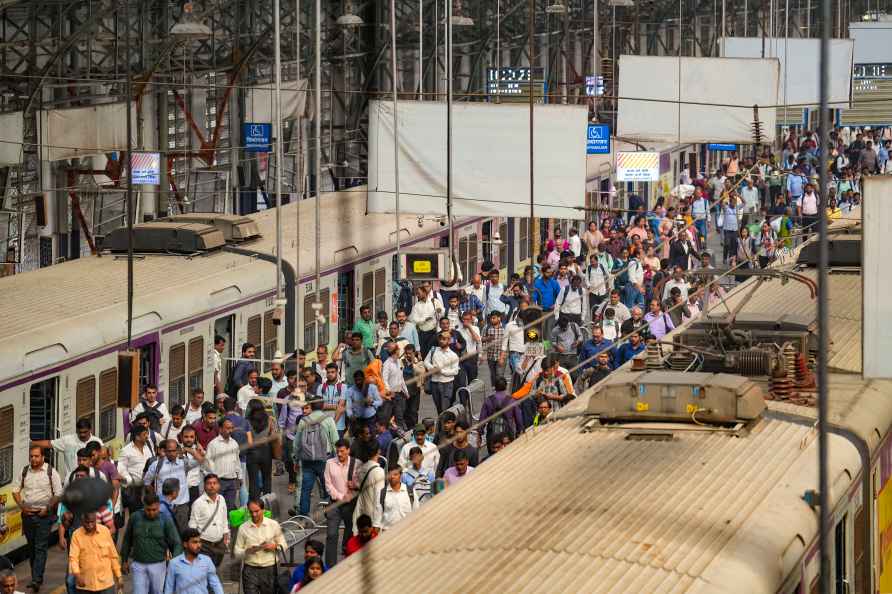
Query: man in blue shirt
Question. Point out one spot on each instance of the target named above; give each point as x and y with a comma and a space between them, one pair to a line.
627, 351
593, 346
547, 291
191, 572
795, 186
363, 400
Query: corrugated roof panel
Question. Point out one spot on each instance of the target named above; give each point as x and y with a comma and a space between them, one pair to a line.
606, 514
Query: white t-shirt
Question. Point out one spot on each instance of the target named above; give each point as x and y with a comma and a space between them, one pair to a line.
69, 445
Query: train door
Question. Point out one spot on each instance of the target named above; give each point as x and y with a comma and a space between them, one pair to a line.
148, 365
345, 303
43, 411
373, 287
841, 578
486, 234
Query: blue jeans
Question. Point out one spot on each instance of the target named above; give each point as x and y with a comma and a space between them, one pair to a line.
148, 578
36, 530
702, 228
311, 471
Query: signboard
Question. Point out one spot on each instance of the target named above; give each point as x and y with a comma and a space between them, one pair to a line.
418, 265
257, 137
145, 168
594, 86
637, 166
598, 139
721, 147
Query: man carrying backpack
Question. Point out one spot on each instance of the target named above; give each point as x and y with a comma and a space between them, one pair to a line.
156, 412
508, 422
37, 496
314, 443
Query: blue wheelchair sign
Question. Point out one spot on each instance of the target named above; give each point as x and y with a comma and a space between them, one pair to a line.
598, 139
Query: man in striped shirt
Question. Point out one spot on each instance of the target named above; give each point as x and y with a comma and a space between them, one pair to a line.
492, 338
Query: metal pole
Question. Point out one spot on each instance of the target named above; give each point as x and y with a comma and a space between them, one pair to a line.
436, 69
318, 114
421, 50
277, 130
530, 34
745, 15
396, 127
723, 29
786, 39
595, 65
299, 193
130, 213
823, 305
448, 14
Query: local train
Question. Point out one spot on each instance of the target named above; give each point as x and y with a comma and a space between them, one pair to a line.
616, 499
62, 326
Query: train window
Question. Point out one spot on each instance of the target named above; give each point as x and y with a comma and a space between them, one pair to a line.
368, 289
196, 364
467, 255
487, 241
309, 322
254, 329
85, 400
108, 401
270, 339
176, 391
322, 335
503, 247
381, 290
859, 558
523, 238
7, 448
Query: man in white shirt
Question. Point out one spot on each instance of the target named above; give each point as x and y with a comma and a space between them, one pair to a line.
443, 363
429, 449
193, 451
476, 288
370, 480
397, 394
750, 195
193, 410
131, 463
249, 391
257, 543
276, 373
571, 301
219, 347
471, 335
222, 455
492, 296
157, 411
425, 315
575, 242
396, 502
677, 280
210, 518
69, 444
37, 496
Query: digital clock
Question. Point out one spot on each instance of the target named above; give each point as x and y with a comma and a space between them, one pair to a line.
512, 81
872, 71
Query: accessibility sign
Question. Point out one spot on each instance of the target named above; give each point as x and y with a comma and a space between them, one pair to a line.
721, 147
598, 139
257, 137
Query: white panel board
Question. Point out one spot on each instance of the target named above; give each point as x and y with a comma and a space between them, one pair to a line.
711, 83
84, 131
259, 106
876, 220
799, 78
872, 42
490, 166
11, 138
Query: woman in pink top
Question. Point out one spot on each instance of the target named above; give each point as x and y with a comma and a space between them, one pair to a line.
552, 256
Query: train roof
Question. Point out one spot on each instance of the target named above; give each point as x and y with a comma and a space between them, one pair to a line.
577, 506
59, 312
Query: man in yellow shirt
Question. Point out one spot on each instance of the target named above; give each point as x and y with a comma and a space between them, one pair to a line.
93, 558
256, 543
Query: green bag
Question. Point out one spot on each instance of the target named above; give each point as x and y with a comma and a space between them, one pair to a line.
239, 516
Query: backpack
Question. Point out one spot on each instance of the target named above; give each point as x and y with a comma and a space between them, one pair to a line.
499, 424
422, 489
312, 442
152, 414
614, 329
49, 476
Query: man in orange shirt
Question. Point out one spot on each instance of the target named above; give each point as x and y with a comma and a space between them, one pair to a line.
93, 558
